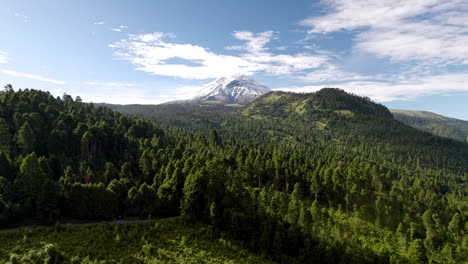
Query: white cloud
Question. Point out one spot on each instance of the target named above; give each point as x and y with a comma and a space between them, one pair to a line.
99, 23
403, 90
3, 57
284, 64
30, 76
280, 64
428, 44
151, 37
331, 73
110, 84
355, 14
152, 53
422, 39
430, 31
253, 42
119, 28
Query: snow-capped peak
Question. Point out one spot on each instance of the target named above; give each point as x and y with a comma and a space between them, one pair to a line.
237, 89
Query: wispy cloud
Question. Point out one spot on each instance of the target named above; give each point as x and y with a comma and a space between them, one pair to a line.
424, 40
402, 90
150, 52
151, 37
99, 23
119, 28
331, 73
3, 57
429, 31
279, 64
22, 16
153, 53
253, 42
30, 76
110, 84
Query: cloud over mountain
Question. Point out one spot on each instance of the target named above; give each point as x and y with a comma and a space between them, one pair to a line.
153, 53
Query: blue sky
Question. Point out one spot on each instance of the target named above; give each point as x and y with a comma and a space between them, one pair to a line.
404, 54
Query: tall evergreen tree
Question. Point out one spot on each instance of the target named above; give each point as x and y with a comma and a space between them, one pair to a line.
26, 138
5, 136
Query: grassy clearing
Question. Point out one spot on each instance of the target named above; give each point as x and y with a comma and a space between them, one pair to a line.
320, 125
346, 113
154, 242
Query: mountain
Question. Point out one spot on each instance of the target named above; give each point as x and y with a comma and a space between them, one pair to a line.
327, 119
332, 120
436, 124
237, 89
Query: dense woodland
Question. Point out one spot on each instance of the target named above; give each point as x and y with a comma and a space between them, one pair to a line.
326, 177
196, 116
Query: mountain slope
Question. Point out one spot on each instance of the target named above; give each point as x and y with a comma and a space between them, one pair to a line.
333, 120
436, 124
327, 119
238, 89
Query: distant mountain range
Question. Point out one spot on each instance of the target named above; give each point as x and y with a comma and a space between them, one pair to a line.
436, 124
215, 100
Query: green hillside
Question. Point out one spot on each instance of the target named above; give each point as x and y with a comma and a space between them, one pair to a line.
326, 177
433, 123
348, 126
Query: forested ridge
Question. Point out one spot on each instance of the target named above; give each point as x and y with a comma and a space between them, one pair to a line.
433, 123
326, 177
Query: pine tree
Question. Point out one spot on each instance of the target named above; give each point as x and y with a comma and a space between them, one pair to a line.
146, 165
417, 252
6, 167
28, 182
193, 201
126, 171
5, 136
26, 138
455, 226
47, 200
110, 172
